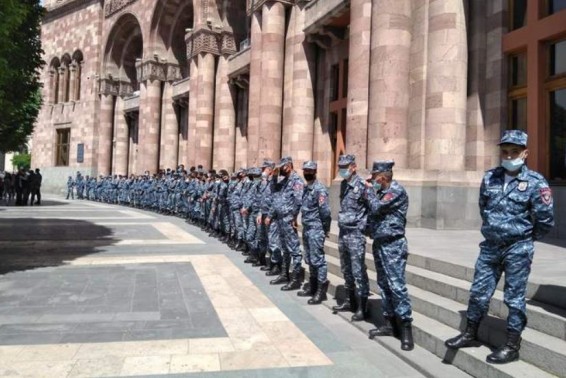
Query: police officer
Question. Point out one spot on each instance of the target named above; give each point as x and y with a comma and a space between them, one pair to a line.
386, 226
316, 218
287, 198
70, 186
517, 209
270, 242
352, 220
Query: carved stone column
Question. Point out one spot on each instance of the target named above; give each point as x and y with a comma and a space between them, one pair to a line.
53, 82
105, 127
72, 81
447, 57
358, 83
254, 92
224, 119
304, 70
62, 87
205, 109
121, 135
150, 75
272, 61
193, 97
389, 81
169, 157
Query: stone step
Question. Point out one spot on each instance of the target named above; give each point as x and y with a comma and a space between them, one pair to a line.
542, 317
552, 297
430, 334
542, 350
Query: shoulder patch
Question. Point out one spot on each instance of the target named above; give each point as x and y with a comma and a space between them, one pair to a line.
546, 195
388, 197
523, 185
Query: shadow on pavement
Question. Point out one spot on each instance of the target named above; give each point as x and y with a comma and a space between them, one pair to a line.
551, 298
33, 243
45, 203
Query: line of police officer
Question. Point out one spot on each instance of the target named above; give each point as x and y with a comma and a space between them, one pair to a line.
255, 211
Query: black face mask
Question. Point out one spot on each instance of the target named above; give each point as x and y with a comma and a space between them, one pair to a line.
309, 176
226, 181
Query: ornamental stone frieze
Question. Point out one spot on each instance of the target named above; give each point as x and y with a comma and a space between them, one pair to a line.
257, 4
114, 6
125, 88
157, 70
108, 86
216, 42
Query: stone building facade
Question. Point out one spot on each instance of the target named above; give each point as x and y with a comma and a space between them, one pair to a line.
141, 85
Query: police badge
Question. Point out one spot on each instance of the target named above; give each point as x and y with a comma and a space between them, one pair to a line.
523, 185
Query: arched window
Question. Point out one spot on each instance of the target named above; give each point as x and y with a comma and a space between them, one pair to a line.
53, 96
75, 77
64, 78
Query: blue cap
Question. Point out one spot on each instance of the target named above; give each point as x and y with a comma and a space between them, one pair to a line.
268, 164
346, 160
255, 171
309, 164
241, 171
285, 160
382, 166
517, 137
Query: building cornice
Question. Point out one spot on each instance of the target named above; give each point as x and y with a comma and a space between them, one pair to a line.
65, 7
257, 4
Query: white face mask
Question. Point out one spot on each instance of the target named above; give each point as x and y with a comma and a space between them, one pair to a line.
513, 165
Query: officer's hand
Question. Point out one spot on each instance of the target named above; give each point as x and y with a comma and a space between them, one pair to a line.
294, 224
267, 221
244, 212
258, 220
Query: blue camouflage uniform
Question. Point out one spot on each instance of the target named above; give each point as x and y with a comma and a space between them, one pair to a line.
265, 240
386, 226
514, 216
316, 218
286, 205
352, 219
70, 186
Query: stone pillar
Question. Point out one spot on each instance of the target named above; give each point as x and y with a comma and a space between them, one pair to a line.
182, 119
53, 82
358, 80
417, 91
322, 144
287, 130
121, 139
304, 67
62, 87
169, 130
254, 93
149, 125
242, 142
205, 109
133, 142
224, 119
105, 136
389, 81
272, 61
78, 73
72, 81
193, 97
447, 65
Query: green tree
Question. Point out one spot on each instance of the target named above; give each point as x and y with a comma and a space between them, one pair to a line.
21, 160
20, 62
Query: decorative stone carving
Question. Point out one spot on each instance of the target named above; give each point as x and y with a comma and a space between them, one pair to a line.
125, 88
208, 41
156, 70
107, 86
114, 6
257, 4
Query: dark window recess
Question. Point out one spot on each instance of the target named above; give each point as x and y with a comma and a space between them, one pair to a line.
557, 59
518, 114
558, 135
556, 6
518, 14
518, 74
62, 147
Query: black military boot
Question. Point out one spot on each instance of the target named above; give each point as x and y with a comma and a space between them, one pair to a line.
320, 295
406, 329
508, 352
468, 338
275, 270
260, 259
349, 303
240, 246
268, 265
388, 328
283, 277
252, 258
362, 309
296, 280
309, 289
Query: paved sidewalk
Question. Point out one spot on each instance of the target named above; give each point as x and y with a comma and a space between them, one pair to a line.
88, 289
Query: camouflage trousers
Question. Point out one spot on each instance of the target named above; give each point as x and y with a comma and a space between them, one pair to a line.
390, 261
352, 250
515, 261
290, 243
274, 242
313, 243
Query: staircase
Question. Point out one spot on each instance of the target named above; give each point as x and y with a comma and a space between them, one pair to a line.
439, 292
